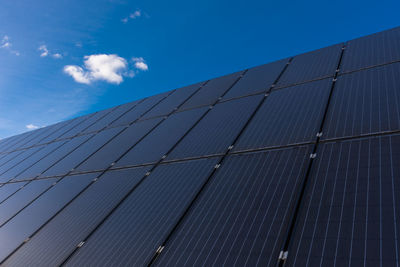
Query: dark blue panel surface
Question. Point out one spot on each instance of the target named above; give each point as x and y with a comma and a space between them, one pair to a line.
22, 198
52, 158
51, 245
241, 216
31, 218
371, 50
257, 80
119, 145
218, 129
136, 229
9, 156
145, 106
91, 119
162, 138
313, 65
365, 102
7, 190
350, 214
31, 160
211, 91
29, 137
47, 131
288, 116
173, 101
115, 114
76, 157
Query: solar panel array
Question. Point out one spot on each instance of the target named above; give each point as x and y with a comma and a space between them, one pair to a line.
292, 163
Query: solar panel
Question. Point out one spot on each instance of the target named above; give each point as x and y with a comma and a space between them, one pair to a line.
36, 214
288, 116
350, 212
365, 102
119, 145
30, 136
14, 204
212, 90
239, 218
56, 134
173, 101
7, 190
145, 106
52, 158
372, 50
115, 114
162, 139
28, 162
257, 80
77, 156
321, 63
217, 130
54, 242
163, 197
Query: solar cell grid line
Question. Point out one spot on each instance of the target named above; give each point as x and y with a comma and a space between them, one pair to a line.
31, 219
141, 109
310, 66
175, 100
30, 161
365, 102
380, 48
351, 213
257, 80
298, 204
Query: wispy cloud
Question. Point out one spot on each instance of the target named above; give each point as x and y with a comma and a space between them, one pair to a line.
6, 44
31, 126
134, 15
140, 64
44, 52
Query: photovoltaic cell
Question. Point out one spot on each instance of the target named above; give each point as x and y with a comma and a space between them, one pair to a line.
371, 50
119, 145
6, 190
52, 158
351, 207
30, 136
239, 218
211, 91
36, 214
288, 116
173, 101
313, 65
257, 80
76, 157
365, 102
110, 117
143, 107
133, 238
162, 138
52, 244
28, 162
217, 130
22, 198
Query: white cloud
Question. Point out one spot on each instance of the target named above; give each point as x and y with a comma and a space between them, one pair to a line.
6, 44
31, 126
44, 51
140, 64
109, 68
133, 15
57, 55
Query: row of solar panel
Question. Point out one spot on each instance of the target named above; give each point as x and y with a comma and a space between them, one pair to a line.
306, 67
364, 102
350, 212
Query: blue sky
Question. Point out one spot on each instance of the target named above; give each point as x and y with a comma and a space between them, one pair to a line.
61, 59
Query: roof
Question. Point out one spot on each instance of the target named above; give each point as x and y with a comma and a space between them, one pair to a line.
294, 163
